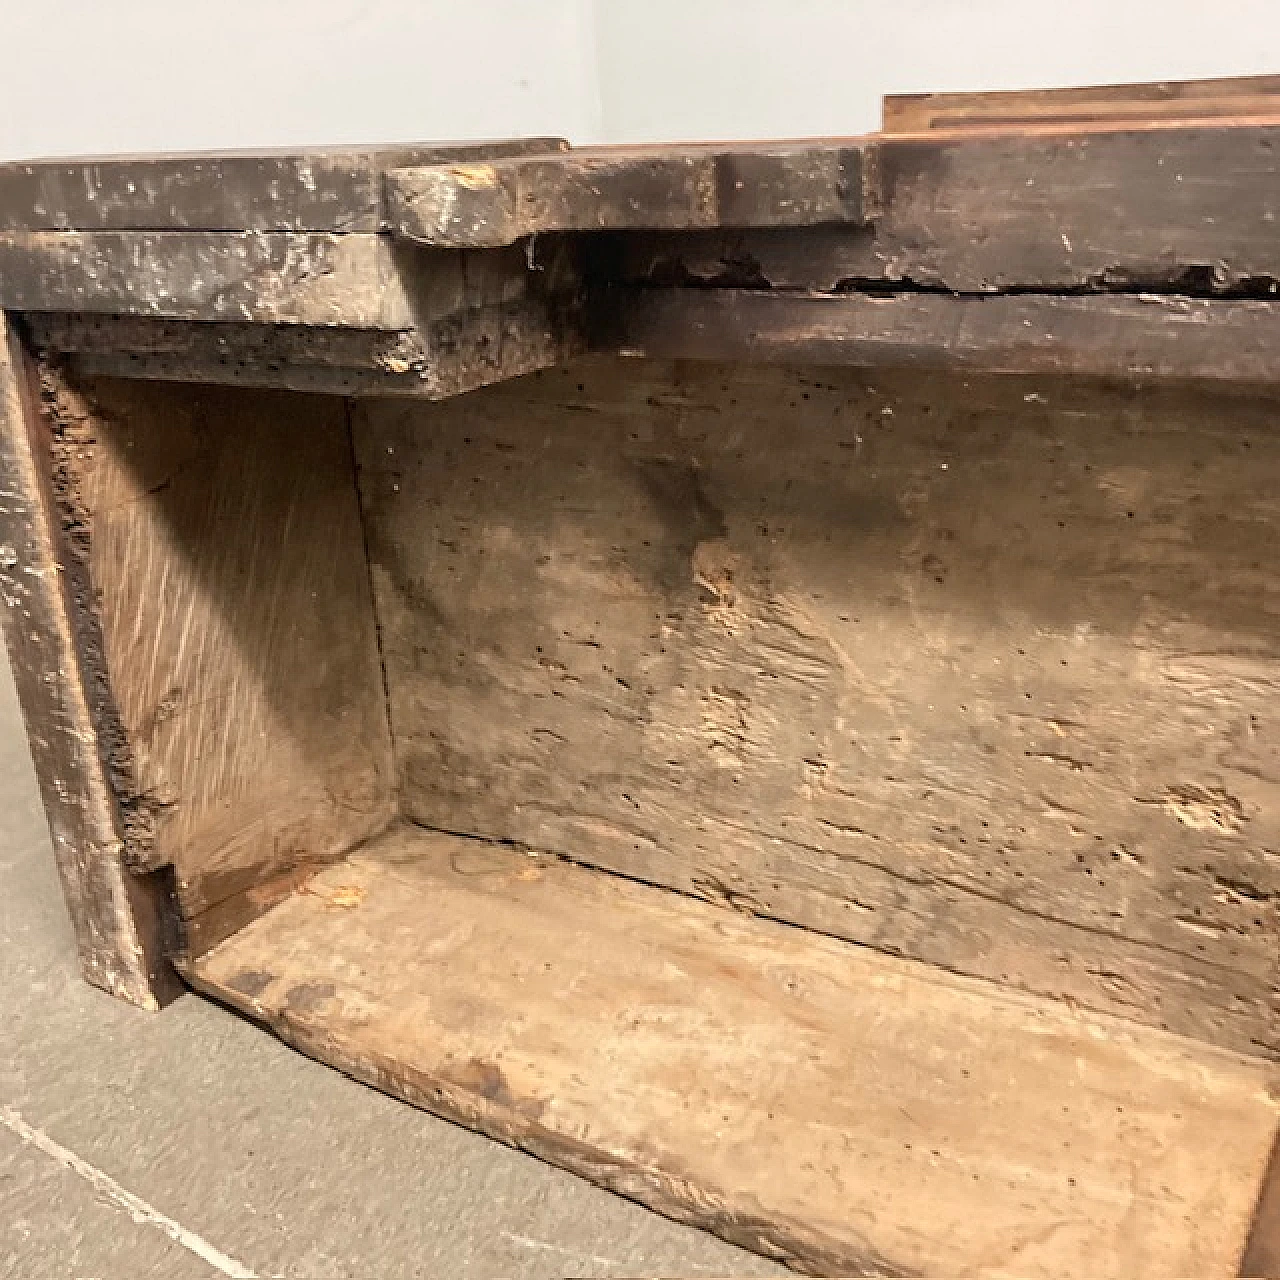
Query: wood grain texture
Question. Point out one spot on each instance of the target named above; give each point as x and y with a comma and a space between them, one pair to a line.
292, 357
260, 277
1100, 335
470, 348
1132, 207
976, 671
363, 282
115, 914
320, 189
343, 315
1262, 1252
1180, 208
679, 188
231, 590
1166, 100
844, 1112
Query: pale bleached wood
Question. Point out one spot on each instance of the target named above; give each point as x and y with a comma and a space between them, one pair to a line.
975, 670
845, 1112
229, 585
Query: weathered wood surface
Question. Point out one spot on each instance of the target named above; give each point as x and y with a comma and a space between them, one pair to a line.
424, 322
1148, 336
1187, 209
1262, 1252
845, 1112
323, 189
469, 348
231, 589
261, 277
116, 915
976, 671
1164, 100
680, 188
296, 357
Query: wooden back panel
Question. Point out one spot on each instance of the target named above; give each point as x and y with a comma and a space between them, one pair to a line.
979, 671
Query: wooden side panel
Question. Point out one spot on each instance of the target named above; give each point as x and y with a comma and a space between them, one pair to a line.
980, 672
115, 914
845, 1112
232, 592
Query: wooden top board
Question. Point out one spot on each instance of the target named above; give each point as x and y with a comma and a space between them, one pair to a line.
479, 256
316, 189
455, 195
843, 1111
1169, 100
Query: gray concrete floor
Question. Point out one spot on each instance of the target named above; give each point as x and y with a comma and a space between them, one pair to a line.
249, 1153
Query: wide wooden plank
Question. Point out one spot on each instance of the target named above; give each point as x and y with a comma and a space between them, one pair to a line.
1131, 206
423, 322
1100, 335
976, 670
1167, 100
680, 188
228, 583
56, 656
1184, 209
319, 189
265, 278
843, 1111
296, 357
469, 348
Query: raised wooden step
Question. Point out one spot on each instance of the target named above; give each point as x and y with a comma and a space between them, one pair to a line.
812, 1100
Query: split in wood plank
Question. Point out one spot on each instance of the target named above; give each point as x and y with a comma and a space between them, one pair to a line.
1187, 209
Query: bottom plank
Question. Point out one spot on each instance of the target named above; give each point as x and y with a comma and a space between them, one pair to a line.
838, 1109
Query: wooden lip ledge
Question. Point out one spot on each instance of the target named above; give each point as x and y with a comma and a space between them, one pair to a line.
487, 205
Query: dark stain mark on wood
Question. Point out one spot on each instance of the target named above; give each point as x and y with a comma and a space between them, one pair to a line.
252, 982
309, 997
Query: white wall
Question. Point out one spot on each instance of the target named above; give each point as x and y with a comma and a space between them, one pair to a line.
117, 75
88, 76
683, 69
